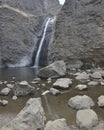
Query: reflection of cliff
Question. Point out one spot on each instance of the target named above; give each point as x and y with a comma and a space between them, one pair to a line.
79, 32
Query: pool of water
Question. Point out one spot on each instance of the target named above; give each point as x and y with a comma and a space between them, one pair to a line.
54, 106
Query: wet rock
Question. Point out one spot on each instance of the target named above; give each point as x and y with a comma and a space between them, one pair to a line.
63, 83
5, 91
4, 102
81, 102
81, 87
86, 119
31, 117
23, 88
59, 124
82, 76
93, 83
54, 70
54, 91
96, 75
101, 101
14, 98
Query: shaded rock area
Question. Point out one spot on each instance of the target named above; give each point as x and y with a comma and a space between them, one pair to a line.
30, 118
79, 34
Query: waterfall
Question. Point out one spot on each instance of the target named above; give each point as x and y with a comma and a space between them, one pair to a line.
36, 64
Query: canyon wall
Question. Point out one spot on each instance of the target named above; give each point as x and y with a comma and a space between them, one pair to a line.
21, 26
79, 34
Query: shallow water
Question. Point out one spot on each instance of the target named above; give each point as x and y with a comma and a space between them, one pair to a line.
54, 106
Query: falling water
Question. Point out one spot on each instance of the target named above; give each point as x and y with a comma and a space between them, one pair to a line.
41, 43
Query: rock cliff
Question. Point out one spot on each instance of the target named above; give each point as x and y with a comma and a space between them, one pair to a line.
35, 7
21, 26
79, 34
19, 33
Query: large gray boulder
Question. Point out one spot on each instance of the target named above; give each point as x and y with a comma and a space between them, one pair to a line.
59, 124
31, 117
79, 34
19, 33
63, 83
86, 119
81, 102
54, 70
23, 88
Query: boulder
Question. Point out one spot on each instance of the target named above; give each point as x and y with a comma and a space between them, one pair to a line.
81, 87
62, 83
93, 83
59, 124
22, 89
101, 101
31, 117
82, 76
54, 70
86, 119
5, 91
54, 91
96, 75
81, 102
4, 102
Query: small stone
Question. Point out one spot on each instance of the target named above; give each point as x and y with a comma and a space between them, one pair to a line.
13, 77
102, 83
81, 102
5, 82
96, 75
82, 76
1, 82
10, 86
93, 83
86, 119
101, 101
37, 79
4, 102
43, 85
63, 83
81, 87
14, 98
44, 93
48, 82
54, 91
23, 83
5, 91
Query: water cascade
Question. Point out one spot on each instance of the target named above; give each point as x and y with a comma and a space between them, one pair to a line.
36, 63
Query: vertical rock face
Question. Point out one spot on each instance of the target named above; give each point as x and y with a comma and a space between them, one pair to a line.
19, 33
35, 7
79, 32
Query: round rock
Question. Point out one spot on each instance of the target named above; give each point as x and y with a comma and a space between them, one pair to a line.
86, 119
81, 102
